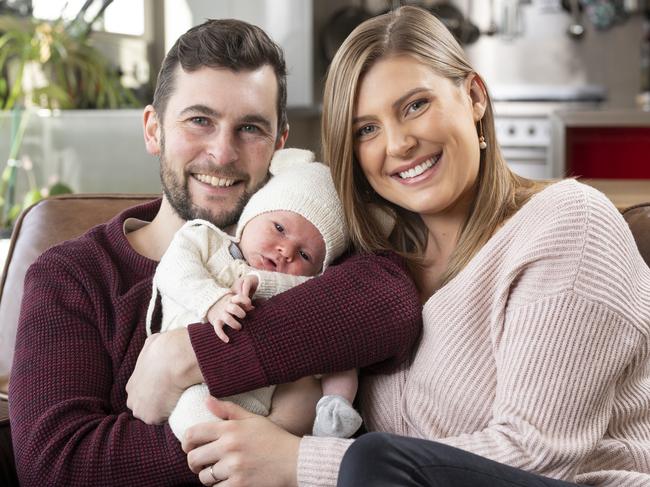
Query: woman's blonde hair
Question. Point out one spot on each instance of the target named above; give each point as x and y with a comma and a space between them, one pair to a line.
412, 31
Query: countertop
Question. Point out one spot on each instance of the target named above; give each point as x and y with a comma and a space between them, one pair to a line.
604, 117
623, 192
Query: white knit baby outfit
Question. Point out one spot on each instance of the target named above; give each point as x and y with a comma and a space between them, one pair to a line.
202, 262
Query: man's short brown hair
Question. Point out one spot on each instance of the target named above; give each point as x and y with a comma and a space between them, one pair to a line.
223, 43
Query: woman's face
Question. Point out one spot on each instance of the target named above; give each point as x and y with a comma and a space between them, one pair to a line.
415, 135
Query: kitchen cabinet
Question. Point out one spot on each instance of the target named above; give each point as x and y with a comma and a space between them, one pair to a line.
601, 144
608, 152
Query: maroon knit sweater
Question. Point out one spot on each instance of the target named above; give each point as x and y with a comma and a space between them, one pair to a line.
82, 326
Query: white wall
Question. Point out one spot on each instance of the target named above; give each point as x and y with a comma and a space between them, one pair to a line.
288, 22
544, 54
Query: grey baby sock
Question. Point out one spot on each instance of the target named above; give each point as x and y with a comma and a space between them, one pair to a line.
336, 417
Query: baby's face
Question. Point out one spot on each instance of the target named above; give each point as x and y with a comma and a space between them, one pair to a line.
283, 241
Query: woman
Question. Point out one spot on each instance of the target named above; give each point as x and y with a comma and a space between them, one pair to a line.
533, 366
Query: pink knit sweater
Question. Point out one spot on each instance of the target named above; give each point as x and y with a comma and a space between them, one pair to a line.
535, 355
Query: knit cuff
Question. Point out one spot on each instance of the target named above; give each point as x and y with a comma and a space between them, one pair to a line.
319, 460
227, 368
264, 287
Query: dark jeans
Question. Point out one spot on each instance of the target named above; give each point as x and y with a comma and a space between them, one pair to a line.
382, 459
7, 467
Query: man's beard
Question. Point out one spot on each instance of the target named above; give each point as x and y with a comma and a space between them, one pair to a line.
178, 195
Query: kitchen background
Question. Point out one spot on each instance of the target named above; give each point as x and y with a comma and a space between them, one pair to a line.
552, 66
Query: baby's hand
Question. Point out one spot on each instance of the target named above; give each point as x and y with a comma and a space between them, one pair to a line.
225, 311
245, 286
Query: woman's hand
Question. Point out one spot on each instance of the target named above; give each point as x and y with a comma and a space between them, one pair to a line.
165, 367
243, 450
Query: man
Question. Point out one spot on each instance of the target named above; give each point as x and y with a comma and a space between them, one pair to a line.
219, 113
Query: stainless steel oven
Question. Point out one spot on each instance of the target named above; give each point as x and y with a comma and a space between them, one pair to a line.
523, 132
523, 122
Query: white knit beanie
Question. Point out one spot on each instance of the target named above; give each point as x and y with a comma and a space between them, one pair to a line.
301, 185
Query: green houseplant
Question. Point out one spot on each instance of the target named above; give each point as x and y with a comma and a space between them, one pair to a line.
52, 65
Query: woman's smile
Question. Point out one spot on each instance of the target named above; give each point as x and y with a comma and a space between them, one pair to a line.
418, 171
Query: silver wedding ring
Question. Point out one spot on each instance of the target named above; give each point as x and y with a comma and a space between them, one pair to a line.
216, 480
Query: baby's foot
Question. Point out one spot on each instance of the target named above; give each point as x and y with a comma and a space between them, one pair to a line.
336, 417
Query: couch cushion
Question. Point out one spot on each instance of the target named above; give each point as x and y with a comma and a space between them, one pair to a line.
638, 218
41, 226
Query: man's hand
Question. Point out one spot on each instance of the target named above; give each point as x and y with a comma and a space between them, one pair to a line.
226, 311
165, 367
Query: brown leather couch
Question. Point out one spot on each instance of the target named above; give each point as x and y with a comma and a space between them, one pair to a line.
56, 219
48, 222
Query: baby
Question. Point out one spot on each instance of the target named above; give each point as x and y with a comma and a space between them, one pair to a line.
290, 230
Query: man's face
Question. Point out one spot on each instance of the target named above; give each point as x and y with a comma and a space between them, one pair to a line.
217, 137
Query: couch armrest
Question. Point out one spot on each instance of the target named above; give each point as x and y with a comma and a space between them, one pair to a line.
638, 218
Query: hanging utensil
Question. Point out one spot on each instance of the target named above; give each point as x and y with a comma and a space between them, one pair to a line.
338, 27
450, 16
493, 28
603, 14
575, 30
470, 32
512, 25
461, 28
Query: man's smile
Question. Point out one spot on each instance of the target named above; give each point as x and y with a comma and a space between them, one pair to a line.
215, 181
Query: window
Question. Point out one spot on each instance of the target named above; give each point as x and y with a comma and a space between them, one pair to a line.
120, 17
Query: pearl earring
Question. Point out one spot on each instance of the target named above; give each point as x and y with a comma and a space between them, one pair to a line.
481, 139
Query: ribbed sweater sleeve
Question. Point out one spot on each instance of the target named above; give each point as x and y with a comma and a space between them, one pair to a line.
363, 312
69, 423
560, 358
319, 459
